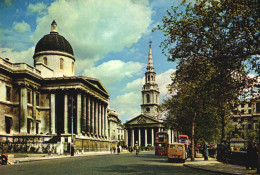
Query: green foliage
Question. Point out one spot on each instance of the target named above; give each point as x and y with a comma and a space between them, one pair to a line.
216, 44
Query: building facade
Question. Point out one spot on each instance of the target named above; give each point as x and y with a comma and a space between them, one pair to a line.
115, 128
47, 103
141, 130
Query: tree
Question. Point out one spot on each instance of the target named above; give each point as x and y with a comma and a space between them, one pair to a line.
221, 37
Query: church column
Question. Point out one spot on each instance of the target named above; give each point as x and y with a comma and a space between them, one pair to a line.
169, 134
145, 137
96, 118
159, 129
93, 117
84, 115
78, 113
99, 119
53, 131
106, 122
89, 115
139, 136
34, 111
173, 136
152, 137
133, 137
65, 113
103, 119
126, 137
23, 110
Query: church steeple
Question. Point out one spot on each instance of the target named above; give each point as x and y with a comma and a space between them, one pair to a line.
150, 91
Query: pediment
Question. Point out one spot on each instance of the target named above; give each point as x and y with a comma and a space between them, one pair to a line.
142, 119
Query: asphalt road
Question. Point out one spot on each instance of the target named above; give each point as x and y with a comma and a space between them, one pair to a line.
146, 163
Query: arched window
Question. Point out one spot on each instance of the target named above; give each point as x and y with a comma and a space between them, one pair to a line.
45, 61
152, 78
148, 98
61, 63
148, 78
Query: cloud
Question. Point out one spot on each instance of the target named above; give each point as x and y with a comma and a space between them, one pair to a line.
96, 28
39, 8
21, 27
127, 105
163, 80
114, 71
15, 56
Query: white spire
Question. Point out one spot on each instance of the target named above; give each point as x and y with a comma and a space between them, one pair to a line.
54, 26
150, 58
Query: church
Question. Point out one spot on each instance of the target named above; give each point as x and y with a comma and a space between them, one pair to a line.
46, 103
141, 129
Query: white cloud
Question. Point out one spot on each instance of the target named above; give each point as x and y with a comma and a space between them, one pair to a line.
96, 28
14, 56
163, 80
39, 8
127, 105
21, 27
114, 71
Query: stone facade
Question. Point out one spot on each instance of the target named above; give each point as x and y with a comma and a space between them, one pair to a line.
41, 104
115, 127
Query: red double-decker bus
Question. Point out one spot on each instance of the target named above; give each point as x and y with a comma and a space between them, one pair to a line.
161, 143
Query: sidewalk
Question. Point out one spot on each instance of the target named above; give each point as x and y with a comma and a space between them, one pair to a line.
212, 165
13, 159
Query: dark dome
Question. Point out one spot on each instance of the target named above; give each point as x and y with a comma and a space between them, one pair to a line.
53, 42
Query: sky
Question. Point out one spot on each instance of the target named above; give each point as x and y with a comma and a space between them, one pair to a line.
110, 40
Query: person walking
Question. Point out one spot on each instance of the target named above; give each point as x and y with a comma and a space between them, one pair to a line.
205, 151
118, 150
251, 155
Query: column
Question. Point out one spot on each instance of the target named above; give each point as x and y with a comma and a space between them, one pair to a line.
152, 137
103, 120
173, 136
93, 116
126, 137
159, 129
96, 118
169, 134
99, 119
53, 113
145, 137
65, 113
89, 115
106, 121
23, 110
34, 111
84, 115
78, 113
133, 137
139, 137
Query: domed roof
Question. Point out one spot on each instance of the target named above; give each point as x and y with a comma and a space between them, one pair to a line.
53, 42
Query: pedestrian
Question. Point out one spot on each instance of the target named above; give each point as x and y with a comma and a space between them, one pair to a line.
251, 155
118, 149
205, 151
114, 149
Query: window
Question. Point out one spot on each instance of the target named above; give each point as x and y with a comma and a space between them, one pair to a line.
148, 78
37, 127
148, 98
242, 111
249, 111
258, 107
29, 125
61, 63
242, 105
249, 126
8, 93
8, 125
29, 96
37, 99
45, 61
152, 78
249, 105
147, 109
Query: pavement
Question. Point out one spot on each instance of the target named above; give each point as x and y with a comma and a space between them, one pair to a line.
211, 165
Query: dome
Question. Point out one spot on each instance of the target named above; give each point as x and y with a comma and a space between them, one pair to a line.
53, 42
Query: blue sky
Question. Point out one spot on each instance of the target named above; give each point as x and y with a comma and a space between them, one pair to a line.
109, 38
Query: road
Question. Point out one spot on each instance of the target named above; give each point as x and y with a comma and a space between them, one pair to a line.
146, 163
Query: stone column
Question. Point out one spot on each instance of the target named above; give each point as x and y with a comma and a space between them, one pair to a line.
93, 117
152, 137
78, 113
173, 136
159, 129
99, 119
53, 129
169, 134
133, 137
96, 118
145, 137
34, 111
103, 119
126, 137
88, 115
106, 122
65, 113
23, 110
139, 137
84, 115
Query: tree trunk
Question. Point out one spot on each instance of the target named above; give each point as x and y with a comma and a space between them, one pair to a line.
192, 137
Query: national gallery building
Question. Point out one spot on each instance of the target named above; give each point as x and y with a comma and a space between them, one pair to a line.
41, 106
